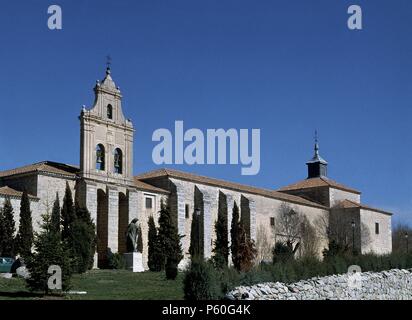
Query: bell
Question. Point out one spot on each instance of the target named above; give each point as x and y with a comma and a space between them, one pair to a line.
116, 161
99, 157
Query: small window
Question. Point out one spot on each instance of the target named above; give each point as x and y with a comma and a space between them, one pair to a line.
187, 214
149, 203
272, 221
376, 228
109, 111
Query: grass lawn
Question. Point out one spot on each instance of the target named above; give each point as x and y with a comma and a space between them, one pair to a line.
107, 284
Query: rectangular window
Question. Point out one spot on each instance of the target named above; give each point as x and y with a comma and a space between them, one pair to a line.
187, 214
376, 228
149, 203
272, 221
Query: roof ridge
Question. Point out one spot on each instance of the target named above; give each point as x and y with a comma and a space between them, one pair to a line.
366, 207
354, 202
322, 181
231, 185
14, 192
42, 166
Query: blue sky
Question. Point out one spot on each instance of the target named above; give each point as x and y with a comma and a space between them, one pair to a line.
286, 67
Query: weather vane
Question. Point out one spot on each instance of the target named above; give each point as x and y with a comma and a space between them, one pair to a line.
316, 136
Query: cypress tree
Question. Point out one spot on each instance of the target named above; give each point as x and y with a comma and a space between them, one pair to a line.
170, 241
234, 230
139, 244
155, 257
8, 226
55, 216
49, 250
24, 238
68, 213
82, 240
1, 231
221, 249
162, 233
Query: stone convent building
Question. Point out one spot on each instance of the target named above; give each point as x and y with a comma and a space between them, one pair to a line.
106, 185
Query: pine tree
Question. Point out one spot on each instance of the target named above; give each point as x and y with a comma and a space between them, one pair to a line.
49, 250
155, 256
83, 240
68, 213
196, 248
8, 226
170, 241
24, 238
234, 230
55, 216
221, 249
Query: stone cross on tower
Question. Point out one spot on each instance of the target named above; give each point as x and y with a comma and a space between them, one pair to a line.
108, 62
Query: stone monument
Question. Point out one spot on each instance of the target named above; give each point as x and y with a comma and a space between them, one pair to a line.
133, 257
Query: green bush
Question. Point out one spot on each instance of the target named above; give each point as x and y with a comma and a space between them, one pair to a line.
282, 253
305, 268
256, 276
201, 282
171, 269
229, 278
116, 261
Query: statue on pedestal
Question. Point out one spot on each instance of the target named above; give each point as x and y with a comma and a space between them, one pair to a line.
134, 244
132, 236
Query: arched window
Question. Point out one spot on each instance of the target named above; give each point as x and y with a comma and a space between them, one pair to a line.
118, 161
109, 111
100, 157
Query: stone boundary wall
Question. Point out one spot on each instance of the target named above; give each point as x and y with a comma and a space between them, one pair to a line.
386, 285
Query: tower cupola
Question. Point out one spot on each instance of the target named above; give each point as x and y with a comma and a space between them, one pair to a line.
317, 166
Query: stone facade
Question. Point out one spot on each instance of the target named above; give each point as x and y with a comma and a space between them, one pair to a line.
379, 228
257, 209
105, 185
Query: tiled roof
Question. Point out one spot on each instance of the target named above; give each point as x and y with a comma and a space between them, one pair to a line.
148, 187
317, 182
9, 192
228, 185
44, 166
352, 204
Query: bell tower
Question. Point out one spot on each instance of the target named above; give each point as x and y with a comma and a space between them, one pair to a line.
106, 136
